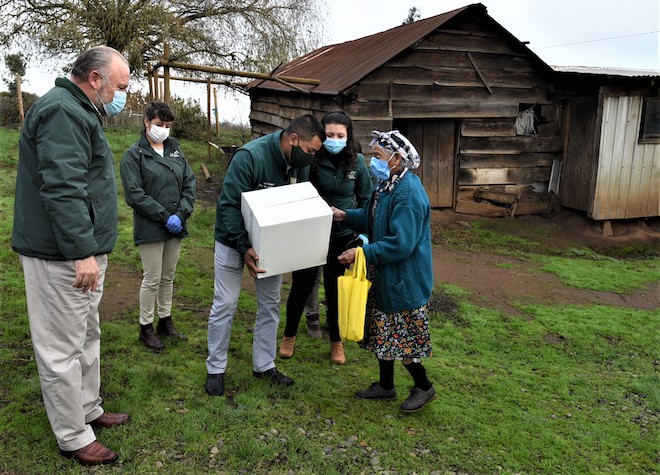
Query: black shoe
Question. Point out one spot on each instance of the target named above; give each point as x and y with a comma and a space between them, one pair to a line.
274, 376
149, 338
375, 391
313, 327
166, 327
418, 399
215, 384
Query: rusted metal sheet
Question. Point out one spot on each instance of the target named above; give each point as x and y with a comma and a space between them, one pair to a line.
338, 67
628, 176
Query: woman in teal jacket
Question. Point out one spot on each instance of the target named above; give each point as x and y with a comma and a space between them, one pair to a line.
342, 178
400, 264
160, 187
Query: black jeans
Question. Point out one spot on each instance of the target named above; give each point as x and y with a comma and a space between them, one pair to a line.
303, 282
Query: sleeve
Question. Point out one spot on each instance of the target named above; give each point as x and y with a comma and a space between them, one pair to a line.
64, 151
136, 197
238, 179
188, 193
356, 219
364, 186
404, 230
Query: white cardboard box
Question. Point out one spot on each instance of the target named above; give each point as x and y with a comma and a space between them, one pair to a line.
289, 227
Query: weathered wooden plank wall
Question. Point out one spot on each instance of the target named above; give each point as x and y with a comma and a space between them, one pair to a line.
466, 74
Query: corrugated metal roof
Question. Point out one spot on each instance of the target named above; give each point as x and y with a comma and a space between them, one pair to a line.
340, 66
603, 71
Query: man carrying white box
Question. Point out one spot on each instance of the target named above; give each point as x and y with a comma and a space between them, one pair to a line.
280, 158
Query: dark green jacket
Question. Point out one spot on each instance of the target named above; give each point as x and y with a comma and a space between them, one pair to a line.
256, 165
157, 187
340, 193
65, 204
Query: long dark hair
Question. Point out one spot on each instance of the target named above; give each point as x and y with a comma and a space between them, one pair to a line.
348, 156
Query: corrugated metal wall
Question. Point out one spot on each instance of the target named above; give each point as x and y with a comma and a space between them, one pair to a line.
628, 179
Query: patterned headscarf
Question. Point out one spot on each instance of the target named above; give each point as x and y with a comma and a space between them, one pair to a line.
394, 141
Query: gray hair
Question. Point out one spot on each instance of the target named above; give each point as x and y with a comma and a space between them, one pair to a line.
97, 58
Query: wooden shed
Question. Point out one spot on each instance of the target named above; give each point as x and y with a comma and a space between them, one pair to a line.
611, 163
483, 110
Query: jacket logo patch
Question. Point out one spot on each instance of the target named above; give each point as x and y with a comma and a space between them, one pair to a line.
175, 154
352, 175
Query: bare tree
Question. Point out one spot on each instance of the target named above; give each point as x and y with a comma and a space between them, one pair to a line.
241, 34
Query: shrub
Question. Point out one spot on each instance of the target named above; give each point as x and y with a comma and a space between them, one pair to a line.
9, 108
190, 121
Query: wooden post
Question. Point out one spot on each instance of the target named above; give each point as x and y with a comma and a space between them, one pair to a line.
150, 80
155, 80
19, 96
217, 115
166, 74
208, 117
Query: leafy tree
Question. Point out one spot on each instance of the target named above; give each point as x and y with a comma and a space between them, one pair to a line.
255, 35
414, 14
16, 65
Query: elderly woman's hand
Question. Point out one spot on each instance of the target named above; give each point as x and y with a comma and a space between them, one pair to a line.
338, 214
347, 257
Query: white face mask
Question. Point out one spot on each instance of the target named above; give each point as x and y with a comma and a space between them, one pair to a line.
158, 134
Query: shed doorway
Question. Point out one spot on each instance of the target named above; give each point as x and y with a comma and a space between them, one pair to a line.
435, 141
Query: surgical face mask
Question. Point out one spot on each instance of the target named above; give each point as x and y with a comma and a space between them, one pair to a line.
334, 146
158, 134
380, 168
299, 158
118, 101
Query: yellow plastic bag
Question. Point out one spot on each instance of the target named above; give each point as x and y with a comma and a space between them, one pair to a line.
352, 290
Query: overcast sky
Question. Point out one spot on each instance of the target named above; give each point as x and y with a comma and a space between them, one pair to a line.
607, 33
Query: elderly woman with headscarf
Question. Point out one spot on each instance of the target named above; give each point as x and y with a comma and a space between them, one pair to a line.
399, 263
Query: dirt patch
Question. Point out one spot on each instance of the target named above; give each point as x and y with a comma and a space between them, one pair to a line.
492, 280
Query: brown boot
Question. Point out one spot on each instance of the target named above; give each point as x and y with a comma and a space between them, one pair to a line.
337, 352
286, 348
148, 336
166, 327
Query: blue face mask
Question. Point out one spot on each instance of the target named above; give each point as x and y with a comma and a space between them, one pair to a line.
117, 104
380, 168
334, 146
118, 101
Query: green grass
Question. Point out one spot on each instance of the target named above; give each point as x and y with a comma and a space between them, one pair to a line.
603, 274
554, 389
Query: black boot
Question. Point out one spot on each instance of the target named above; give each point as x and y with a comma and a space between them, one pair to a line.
166, 327
149, 338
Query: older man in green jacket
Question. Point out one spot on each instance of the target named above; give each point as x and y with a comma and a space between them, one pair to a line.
65, 223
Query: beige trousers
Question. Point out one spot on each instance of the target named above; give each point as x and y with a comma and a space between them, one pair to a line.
66, 336
159, 261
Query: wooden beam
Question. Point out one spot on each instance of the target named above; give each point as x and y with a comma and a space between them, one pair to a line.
232, 72
482, 209
481, 76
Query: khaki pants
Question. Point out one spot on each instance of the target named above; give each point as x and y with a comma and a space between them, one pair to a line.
66, 336
159, 261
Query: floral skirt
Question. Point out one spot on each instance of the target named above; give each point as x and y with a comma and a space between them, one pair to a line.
398, 335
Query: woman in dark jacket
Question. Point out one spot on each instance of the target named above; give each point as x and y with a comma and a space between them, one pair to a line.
342, 178
160, 187
400, 264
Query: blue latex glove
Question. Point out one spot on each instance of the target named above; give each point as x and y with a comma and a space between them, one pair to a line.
174, 224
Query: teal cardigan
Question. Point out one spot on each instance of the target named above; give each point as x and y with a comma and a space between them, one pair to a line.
399, 245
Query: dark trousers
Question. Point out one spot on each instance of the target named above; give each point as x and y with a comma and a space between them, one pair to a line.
303, 282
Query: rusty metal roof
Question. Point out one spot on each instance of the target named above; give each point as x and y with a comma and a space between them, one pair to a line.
608, 71
340, 66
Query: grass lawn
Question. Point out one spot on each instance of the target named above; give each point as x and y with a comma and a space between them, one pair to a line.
554, 389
